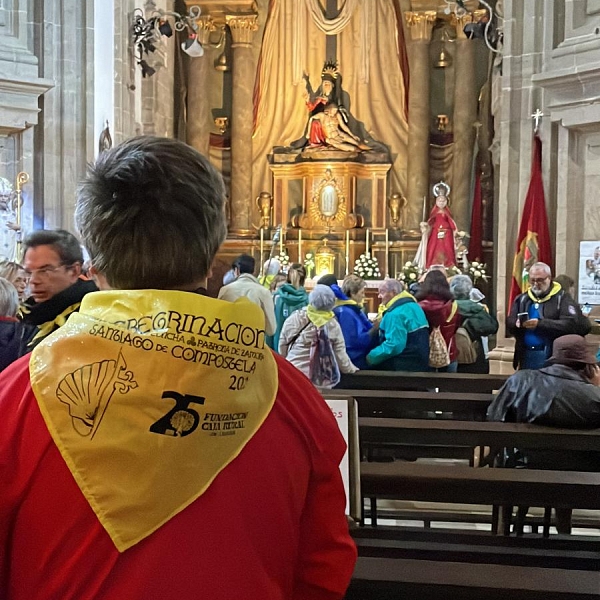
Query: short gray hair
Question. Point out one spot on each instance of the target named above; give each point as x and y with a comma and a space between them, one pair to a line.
461, 286
392, 285
9, 298
322, 297
151, 214
542, 267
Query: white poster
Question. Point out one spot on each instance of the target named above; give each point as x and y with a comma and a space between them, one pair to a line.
589, 273
340, 411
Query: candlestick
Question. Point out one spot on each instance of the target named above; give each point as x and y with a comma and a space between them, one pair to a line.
387, 253
367, 243
262, 246
347, 251
281, 234
300, 247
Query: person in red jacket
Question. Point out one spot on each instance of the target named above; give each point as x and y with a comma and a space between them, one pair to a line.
440, 308
153, 446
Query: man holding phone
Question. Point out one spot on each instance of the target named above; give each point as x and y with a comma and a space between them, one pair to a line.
539, 316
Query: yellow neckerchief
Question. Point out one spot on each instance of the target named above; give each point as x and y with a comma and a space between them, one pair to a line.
348, 302
45, 329
318, 317
452, 311
148, 395
556, 287
384, 307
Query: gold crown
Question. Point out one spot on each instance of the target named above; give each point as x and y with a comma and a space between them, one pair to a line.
330, 69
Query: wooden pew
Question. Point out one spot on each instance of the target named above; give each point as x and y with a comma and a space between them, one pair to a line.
425, 432
403, 380
400, 403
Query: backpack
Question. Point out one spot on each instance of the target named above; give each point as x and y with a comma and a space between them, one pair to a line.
438, 351
323, 368
439, 356
466, 347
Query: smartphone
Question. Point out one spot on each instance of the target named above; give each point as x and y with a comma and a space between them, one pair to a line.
523, 317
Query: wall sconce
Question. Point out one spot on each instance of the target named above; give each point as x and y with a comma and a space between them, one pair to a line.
148, 33
443, 59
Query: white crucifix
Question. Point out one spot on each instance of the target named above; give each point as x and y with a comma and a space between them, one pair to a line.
537, 117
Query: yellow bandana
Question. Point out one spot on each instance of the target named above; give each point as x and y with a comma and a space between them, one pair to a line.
554, 289
148, 395
318, 317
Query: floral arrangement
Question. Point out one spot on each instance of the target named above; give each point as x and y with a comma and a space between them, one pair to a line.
410, 272
284, 261
452, 271
367, 267
476, 271
309, 264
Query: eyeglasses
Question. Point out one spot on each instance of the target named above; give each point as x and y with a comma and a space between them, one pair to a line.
541, 280
45, 272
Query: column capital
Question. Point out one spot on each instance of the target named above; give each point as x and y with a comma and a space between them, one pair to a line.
420, 24
206, 26
459, 21
242, 27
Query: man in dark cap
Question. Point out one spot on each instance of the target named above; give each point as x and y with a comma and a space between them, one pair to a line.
564, 393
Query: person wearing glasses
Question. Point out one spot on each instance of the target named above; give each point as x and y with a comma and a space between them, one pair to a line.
541, 315
154, 446
52, 261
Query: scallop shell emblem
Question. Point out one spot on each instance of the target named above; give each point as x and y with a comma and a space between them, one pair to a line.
87, 392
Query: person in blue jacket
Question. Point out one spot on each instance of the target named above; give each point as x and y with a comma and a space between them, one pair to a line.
403, 333
359, 334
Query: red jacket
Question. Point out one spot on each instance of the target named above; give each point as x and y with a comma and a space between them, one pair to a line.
270, 527
437, 312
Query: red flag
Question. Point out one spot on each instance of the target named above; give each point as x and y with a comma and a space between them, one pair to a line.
475, 247
533, 243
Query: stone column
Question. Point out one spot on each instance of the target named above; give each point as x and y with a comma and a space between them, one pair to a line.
420, 25
465, 116
242, 30
199, 120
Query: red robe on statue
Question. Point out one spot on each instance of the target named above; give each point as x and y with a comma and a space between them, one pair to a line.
440, 244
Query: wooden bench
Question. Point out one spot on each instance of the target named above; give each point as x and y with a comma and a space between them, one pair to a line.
404, 380
401, 403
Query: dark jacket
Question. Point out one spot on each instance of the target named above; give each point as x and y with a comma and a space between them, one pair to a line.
48, 316
556, 396
439, 313
559, 315
478, 323
14, 337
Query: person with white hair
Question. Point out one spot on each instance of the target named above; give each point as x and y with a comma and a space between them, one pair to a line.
270, 270
539, 316
403, 332
301, 329
476, 324
13, 334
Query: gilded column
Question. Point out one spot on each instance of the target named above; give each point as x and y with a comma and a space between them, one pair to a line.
242, 30
465, 116
420, 25
199, 120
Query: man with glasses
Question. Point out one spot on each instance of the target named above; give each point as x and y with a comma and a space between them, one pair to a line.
539, 316
153, 446
52, 261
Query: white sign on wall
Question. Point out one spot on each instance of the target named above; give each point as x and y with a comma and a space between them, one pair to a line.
589, 273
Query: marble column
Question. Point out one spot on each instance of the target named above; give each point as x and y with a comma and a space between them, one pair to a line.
465, 116
199, 120
420, 25
242, 29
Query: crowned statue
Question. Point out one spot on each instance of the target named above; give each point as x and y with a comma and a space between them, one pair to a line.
330, 124
440, 236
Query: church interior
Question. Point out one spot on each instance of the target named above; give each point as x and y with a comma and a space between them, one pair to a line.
337, 126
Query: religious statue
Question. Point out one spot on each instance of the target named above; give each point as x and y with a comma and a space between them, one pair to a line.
330, 123
8, 221
439, 233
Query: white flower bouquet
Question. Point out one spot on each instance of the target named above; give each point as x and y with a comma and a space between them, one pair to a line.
410, 272
476, 271
284, 261
367, 267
